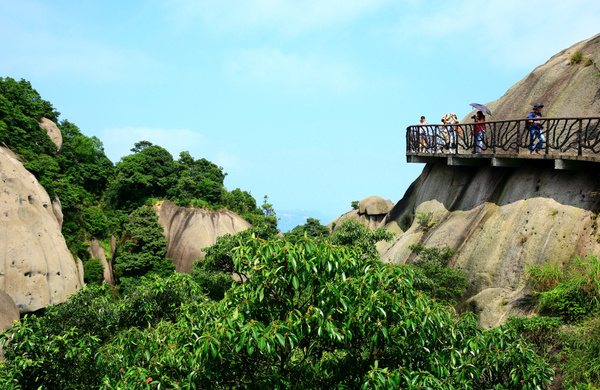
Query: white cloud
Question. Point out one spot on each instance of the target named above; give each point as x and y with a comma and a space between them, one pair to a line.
508, 32
119, 141
282, 16
271, 67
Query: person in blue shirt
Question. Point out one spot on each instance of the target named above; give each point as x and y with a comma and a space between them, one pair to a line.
535, 129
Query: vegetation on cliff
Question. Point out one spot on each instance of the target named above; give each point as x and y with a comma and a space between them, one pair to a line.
97, 197
310, 315
568, 335
314, 310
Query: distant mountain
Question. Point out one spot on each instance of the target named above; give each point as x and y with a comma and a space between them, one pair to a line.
289, 219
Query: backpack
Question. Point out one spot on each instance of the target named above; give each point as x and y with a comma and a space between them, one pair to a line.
527, 123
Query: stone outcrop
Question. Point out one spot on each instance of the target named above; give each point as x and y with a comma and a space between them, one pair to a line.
565, 90
9, 313
36, 267
371, 213
53, 132
501, 220
98, 252
189, 230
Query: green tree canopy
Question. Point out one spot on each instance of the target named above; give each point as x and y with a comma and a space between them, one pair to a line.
310, 316
144, 248
148, 173
312, 228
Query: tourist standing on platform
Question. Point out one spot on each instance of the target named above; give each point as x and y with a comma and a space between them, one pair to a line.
422, 135
451, 119
535, 129
478, 131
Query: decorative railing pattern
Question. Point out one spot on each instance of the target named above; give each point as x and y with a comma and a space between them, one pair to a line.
565, 136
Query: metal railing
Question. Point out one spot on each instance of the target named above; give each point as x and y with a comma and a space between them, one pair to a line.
564, 136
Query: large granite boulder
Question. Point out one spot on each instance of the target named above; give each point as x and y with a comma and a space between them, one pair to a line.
502, 220
371, 213
189, 230
36, 267
53, 132
375, 205
98, 252
566, 90
9, 313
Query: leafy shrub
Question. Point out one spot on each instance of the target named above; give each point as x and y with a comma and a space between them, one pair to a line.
581, 356
425, 220
353, 233
442, 282
145, 247
320, 316
59, 350
540, 331
95, 222
576, 57
572, 293
93, 270
312, 228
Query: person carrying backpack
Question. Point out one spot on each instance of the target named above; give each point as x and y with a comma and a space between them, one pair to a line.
535, 129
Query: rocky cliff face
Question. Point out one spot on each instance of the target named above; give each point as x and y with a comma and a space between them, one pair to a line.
189, 230
36, 268
503, 220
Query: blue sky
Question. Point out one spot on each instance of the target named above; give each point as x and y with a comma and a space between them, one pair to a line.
304, 101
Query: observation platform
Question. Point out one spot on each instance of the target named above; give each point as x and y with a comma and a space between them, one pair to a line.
569, 143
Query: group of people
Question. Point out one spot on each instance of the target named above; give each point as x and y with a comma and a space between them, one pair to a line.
434, 139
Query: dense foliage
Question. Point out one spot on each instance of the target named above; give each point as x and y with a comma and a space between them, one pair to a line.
442, 282
572, 295
315, 310
310, 315
143, 250
98, 198
312, 228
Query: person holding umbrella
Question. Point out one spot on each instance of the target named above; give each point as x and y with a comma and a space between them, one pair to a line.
535, 129
478, 131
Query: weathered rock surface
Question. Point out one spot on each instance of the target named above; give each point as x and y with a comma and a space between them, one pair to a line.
375, 205
36, 267
502, 220
565, 90
53, 132
189, 230
9, 313
371, 213
98, 252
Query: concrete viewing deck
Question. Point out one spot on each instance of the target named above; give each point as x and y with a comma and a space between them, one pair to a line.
569, 143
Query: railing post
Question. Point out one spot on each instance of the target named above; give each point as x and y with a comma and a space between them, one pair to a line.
579, 138
518, 136
492, 129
